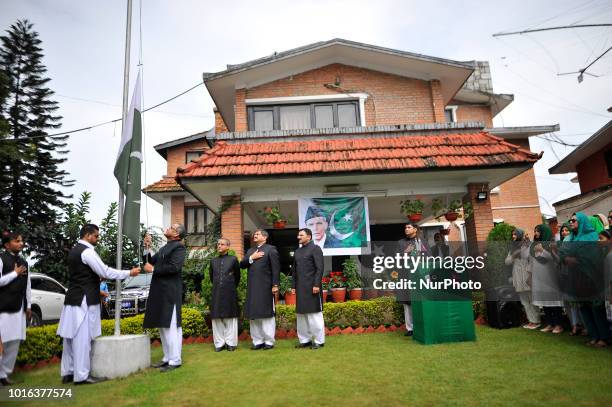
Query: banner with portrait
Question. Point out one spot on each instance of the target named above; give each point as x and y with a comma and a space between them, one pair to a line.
340, 226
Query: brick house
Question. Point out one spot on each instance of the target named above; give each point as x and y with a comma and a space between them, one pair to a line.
592, 161
340, 116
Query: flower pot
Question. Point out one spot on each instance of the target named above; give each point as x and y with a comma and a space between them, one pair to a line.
339, 294
324, 296
451, 216
415, 217
355, 294
279, 224
445, 232
289, 298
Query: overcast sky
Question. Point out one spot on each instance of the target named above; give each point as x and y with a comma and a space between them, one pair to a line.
84, 41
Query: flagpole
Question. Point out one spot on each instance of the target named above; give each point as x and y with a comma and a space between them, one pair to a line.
126, 84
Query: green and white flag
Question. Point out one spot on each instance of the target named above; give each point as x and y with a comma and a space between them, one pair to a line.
127, 168
340, 226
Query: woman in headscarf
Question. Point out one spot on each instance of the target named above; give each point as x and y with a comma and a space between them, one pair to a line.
569, 302
585, 262
604, 221
605, 241
519, 258
596, 223
545, 279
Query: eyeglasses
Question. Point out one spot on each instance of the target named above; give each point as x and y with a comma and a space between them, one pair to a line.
572, 221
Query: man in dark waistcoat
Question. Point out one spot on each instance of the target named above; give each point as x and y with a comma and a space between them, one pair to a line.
263, 264
413, 246
80, 319
15, 300
224, 311
166, 296
307, 276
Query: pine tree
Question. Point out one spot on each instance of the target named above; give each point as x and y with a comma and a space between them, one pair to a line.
29, 192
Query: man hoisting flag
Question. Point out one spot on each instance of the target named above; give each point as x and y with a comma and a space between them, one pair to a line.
127, 168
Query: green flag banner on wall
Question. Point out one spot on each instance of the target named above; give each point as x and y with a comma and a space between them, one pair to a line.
340, 226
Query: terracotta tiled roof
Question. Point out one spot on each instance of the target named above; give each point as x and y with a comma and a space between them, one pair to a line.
166, 184
412, 152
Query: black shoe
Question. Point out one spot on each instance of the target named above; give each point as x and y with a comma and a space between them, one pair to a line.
67, 379
268, 347
257, 347
231, 348
409, 333
159, 364
220, 349
91, 380
168, 368
5, 381
303, 345
316, 346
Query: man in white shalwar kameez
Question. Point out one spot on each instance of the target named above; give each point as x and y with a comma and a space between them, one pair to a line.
15, 300
80, 319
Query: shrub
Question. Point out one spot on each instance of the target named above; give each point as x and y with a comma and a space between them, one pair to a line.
42, 343
498, 243
379, 311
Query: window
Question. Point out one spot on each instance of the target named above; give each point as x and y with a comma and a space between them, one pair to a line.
608, 158
192, 155
197, 219
450, 114
304, 116
44, 284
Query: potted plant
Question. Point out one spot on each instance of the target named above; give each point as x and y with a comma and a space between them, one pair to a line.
285, 289
274, 217
450, 211
337, 285
413, 209
324, 288
353, 279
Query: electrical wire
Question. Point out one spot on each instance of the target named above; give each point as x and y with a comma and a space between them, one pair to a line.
93, 126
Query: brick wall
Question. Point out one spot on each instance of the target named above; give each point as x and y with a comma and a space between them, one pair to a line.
232, 224
519, 191
593, 171
177, 210
473, 113
394, 99
220, 126
478, 226
176, 155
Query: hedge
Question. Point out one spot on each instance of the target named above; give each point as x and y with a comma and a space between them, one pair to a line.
42, 343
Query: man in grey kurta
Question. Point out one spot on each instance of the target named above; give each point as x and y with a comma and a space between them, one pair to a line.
307, 276
263, 266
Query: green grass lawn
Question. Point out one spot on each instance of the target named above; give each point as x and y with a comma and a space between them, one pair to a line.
503, 367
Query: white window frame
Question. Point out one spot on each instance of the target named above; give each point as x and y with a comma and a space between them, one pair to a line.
453, 109
361, 97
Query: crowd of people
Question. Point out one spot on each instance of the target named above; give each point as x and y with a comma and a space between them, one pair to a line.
570, 273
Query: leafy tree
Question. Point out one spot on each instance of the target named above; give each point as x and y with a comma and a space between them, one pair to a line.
498, 244
31, 158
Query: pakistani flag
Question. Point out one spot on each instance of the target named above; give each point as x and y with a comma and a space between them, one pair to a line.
127, 168
347, 227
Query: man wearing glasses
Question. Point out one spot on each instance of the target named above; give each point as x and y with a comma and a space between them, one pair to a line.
166, 296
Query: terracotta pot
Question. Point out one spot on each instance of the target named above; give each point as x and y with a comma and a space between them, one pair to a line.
280, 224
355, 294
324, 296
451, 216
415, 217
289, 298
339, 294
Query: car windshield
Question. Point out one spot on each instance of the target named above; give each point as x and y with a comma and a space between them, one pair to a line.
141, 280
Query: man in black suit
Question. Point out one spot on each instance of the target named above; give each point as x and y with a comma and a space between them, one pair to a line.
263, 266
307, 275
166, 296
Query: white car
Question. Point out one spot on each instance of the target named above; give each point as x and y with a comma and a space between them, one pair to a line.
47, 299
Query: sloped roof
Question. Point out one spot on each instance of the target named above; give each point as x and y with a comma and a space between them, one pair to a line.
166, 184
364, 154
